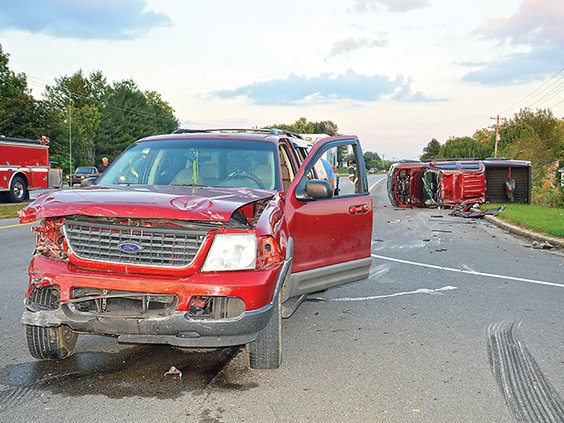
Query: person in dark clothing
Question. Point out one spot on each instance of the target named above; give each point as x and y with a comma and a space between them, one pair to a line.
104, 165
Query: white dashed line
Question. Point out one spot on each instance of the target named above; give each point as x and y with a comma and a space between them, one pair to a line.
469, 272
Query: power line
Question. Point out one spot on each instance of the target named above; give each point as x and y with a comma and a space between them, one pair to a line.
532, 92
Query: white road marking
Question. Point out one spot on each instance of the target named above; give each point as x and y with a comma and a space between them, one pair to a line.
469, 272
438, 291
376, 183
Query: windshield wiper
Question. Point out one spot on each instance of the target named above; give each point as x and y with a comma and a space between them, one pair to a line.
187, 185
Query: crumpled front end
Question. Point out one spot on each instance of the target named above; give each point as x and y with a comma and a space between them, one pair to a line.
145, 280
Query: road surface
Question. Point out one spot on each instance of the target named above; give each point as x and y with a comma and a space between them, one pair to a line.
458, 322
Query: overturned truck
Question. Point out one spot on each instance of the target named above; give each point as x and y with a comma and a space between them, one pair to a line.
453, 182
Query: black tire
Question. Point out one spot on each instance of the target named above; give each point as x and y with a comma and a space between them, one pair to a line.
18, 190
266, 351
49, 343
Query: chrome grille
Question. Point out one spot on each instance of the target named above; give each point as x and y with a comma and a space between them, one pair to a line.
164, 247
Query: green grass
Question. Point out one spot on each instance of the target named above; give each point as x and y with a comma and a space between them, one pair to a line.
10, 210
545, 220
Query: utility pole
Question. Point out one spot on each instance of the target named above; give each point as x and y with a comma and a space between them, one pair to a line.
496, 127
70, 134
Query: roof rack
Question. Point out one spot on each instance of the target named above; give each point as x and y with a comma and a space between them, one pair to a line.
272, 131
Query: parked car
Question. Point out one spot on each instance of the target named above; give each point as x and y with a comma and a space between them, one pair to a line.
82, 173
196, 239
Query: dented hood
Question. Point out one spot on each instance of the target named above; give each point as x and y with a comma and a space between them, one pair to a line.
163, 202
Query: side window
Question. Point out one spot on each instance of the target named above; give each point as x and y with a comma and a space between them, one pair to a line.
286, 167
338, 165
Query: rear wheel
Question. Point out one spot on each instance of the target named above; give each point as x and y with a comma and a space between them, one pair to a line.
18, 190
49, 343
266, 351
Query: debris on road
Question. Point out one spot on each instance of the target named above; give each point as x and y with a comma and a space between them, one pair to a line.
469, 212
173, 373
542, 245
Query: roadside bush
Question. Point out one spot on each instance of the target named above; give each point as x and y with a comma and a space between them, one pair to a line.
548, 195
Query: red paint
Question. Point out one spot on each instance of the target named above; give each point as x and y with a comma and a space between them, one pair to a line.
325, 231
172, 203
254, 287
28, 160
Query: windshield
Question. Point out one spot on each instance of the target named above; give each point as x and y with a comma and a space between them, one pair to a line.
83, 170
208, 162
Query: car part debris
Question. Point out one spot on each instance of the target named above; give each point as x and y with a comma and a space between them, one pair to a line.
468, 211
173, 373
542, 245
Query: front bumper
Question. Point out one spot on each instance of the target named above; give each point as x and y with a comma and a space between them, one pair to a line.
256, 288
178, 329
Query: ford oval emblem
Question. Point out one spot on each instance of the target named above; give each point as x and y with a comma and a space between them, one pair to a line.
130, 247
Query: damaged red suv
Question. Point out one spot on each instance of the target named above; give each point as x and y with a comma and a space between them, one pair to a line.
195, 239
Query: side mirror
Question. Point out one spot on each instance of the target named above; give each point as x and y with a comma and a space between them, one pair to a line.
317, 189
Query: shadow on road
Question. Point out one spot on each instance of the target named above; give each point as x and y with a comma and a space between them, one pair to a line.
135, 371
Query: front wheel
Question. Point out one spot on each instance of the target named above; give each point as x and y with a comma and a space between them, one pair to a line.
18, 190
49, 343
266, 351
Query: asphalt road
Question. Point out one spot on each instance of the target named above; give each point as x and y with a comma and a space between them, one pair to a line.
458, 322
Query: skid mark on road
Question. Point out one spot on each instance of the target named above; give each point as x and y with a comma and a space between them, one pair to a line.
438, 291
527, 392
379, 270
468, 272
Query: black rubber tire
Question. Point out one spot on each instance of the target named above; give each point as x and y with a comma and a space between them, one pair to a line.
49, 343
266, 351
18, 190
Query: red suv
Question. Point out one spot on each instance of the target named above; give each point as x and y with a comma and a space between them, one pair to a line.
195, 239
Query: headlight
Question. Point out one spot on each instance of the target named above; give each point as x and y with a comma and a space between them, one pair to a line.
231, 252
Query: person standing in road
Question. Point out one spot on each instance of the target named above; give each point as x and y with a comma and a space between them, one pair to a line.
353, 174
104, 165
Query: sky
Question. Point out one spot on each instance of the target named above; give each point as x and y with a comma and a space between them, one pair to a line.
396, 73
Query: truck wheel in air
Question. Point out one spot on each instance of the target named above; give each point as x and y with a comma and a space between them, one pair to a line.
266, 351
49, 343
18, 190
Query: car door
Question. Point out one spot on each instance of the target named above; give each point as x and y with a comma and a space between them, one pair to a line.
331, 236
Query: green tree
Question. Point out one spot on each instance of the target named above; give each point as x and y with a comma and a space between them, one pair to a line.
462, 148
73, 111
545, 125
19, 113
431, 151
372, 160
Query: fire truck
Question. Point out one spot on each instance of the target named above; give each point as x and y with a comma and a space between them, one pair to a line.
24, 166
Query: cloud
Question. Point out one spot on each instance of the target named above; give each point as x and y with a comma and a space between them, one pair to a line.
326, 88
520, 67
101, 19
352, 43
535, 21
391, 5
535, 30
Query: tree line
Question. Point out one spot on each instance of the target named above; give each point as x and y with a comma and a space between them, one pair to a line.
537, 136
101, 118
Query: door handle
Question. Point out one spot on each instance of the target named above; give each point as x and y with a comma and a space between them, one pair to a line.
358, 209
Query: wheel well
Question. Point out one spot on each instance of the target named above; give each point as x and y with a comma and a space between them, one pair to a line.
21, 175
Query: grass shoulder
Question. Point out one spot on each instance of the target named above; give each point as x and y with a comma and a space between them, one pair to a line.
10, 210
549, 221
